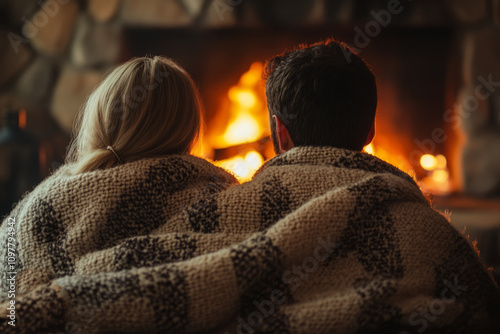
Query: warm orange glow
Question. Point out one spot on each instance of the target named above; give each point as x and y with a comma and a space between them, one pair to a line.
369, 149
438, 179
432, 163
253, 76
243, 130
22, 119
247, 122
428, 162
254, 160
247, 112
236, 165
440, 175
441, 162
390, 157
245, 98
235, 136
243, 167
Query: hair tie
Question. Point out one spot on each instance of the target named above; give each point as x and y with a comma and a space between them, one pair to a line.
116, 154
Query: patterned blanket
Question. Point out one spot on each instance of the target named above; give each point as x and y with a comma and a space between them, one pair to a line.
67, 217
321, 241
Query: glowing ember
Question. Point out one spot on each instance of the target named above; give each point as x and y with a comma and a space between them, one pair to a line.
369, 149
390, 157
254, 160
22, 119
441, 162
428, 162
440, 176
438, 179
243, 167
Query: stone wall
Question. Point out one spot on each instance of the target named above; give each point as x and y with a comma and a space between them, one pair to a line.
479, 102
55, 52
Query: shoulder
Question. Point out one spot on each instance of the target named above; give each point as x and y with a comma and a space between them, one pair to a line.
203, 168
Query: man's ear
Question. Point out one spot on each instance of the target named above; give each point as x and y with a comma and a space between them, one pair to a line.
371, 135
284, 140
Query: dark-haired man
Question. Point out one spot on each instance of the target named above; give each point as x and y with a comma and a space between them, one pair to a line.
317, 97
324, 239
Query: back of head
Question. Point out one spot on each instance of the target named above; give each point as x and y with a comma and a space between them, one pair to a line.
147, 107
324, 94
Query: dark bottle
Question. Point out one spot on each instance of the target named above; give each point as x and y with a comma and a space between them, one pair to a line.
19, 164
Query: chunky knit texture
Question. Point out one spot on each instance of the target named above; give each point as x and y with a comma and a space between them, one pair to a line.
321, 241
68, 217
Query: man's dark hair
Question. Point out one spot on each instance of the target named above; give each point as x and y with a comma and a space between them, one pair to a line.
324, 94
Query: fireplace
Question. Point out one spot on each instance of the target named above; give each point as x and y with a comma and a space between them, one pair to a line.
413, 88
436, 64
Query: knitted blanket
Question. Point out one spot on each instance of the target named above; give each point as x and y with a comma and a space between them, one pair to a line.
321, 241
67, 217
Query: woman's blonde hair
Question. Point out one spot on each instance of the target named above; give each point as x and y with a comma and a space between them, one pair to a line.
146, 107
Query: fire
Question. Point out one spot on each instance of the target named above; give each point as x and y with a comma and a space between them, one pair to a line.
22, 119
248, 123
244, 129
245, 97
437, 180
236, 139
392, 158
369, 149
243, 167
437, 176
428, 162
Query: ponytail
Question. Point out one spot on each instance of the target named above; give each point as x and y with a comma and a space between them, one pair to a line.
98, 159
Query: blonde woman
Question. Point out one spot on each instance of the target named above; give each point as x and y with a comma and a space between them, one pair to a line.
128, 171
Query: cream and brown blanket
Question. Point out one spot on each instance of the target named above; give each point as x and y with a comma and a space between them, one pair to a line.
321, 241
67, 217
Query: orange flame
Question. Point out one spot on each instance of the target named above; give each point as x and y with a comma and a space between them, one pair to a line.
369, 149
438, 179
245, 121
22, 119
247, 111
390, 157
247, 124
243, 167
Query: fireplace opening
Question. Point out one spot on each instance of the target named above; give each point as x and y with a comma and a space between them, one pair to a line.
412, 66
